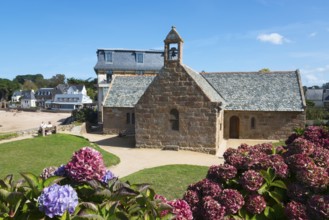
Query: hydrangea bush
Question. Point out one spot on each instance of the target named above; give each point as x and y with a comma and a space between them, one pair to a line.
83, 189
266, 182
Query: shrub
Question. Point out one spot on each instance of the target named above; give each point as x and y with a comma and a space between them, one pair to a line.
266, 182
83, 189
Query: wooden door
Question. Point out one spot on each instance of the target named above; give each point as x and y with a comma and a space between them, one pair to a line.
234, 127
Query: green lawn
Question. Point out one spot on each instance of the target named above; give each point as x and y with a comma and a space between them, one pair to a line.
32, 155
170, 181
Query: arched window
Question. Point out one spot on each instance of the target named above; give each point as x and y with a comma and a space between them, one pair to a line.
174, 119
253, 123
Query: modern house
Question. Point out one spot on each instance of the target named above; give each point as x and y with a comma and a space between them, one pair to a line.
44, 97
182, 108
111, 62
28, 99
16, 96
75, 97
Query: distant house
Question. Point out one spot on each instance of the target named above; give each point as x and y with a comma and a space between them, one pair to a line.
16, 96
112, 62
326, 98
44, 97
74, 97
316, 96
28, 99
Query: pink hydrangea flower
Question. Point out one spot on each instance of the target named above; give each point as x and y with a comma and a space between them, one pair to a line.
86, 164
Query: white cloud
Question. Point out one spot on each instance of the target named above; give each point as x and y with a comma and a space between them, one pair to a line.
313, 34
273, 38
315, 76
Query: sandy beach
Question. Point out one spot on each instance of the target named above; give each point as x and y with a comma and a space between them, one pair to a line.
17, 121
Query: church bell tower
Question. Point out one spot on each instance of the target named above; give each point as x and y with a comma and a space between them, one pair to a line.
173, 48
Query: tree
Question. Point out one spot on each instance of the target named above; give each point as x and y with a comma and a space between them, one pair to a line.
325, 85
57, 79
7, 88
29, 85
32, 77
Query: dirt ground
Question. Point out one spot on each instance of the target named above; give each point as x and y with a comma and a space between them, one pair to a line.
17, 121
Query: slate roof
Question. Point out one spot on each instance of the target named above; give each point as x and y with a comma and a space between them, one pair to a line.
125, 91
209, 91
314, 94
77, 87
125, 59
257, 91
17, 93
28, 94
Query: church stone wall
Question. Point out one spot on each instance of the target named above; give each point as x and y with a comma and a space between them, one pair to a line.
268, 125
175, 89
115, 120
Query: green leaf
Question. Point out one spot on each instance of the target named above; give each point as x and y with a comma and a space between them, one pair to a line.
66, 216
3, 195
31, 179
14, 197
276, 196
141, 187
89, 205
52, 180
266, 176
267, 211
262, 189
279, 183
121, 216
88, 217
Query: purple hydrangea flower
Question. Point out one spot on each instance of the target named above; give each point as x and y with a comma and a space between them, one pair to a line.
280, 167
315, 177
255, 204
56, 199
301, 146
318, 206
60, 171
296, 211
192, 198
212, 210
299, 161
298, 192
86, 164
320, 157
108, 176
232, 200
251, 180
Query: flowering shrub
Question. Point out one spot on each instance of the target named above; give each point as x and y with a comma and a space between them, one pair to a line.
56, 199
83, 189
264, 182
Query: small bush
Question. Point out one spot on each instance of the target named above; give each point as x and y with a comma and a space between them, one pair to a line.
266, 182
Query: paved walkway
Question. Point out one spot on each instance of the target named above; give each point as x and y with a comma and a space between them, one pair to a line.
135, 159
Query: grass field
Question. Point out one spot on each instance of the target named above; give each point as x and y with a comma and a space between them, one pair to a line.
170, 181
32, 155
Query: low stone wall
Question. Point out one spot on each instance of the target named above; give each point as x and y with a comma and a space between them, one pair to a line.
34, 131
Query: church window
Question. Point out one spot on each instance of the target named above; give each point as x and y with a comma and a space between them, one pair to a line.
174, 119
253, 123
128, 118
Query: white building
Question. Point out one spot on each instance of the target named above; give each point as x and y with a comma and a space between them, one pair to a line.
28, 99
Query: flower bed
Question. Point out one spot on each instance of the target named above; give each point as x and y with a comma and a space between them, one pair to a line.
264, 182
84, 189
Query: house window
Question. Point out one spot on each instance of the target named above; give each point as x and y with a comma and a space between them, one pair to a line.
253, 123
128, 118
108, 57
109, 76
174, 120
133, 118
140, 57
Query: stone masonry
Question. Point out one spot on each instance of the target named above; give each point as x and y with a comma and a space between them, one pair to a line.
268, 125
175, 89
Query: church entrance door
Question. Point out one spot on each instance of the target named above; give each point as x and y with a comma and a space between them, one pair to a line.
234, 127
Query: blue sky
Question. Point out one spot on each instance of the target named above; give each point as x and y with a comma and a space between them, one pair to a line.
62, 36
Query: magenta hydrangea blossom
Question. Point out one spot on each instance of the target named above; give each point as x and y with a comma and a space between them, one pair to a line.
298, 192
212, 210
315, 177
181, 209
296, 211
192, 198
255, 204
251, 180
301, 146
318, 205
56, 199
221, 173
86, 164
232, 200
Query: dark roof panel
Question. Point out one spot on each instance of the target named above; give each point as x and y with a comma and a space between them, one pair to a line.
257, 91
126, 60
126, 90
314, 94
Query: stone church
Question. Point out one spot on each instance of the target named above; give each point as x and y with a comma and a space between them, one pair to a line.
180, 108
